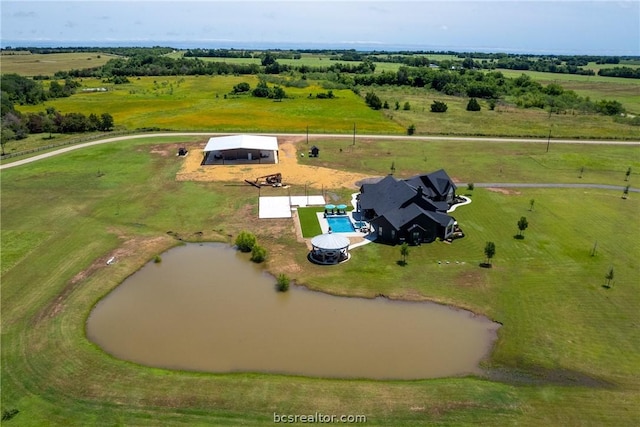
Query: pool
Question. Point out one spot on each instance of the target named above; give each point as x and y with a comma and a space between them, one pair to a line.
340, 224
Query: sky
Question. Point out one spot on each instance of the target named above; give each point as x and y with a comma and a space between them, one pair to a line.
539, 27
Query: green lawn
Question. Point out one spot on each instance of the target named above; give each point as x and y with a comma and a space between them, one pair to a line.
468, 161
568, 352
309, 221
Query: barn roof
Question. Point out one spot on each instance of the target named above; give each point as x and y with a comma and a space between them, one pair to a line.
247, 142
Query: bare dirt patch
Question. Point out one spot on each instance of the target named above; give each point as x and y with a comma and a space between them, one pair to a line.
505, 191
292, 172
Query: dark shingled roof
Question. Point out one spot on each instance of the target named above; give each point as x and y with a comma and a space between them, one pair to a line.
385, 195
404, 201
436, 184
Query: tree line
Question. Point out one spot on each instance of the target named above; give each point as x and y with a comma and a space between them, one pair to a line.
16, 89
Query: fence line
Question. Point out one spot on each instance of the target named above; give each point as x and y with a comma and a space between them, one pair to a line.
69, 142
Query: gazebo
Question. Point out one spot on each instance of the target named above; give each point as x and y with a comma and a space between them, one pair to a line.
328, 249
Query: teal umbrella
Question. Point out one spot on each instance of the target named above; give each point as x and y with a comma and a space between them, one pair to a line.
329, 207
342, 207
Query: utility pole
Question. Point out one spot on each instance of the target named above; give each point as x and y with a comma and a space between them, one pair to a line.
354, 134
549, 139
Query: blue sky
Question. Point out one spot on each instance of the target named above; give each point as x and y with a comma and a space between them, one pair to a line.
560, 26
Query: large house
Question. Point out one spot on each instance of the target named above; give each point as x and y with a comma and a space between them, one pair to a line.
412, 210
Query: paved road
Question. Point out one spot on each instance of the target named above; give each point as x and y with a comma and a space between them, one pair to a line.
315, 136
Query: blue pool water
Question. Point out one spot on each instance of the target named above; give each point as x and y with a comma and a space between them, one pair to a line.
340, 224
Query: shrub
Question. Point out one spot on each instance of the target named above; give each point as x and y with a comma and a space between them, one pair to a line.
282, 283
406, 106
373, 101
241, 88
245, 241
473, 105
258, 253
438, 107
157, 259
411, 129
470, 186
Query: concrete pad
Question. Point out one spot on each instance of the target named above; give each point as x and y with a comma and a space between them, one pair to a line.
303, 201
274, 207
280, 206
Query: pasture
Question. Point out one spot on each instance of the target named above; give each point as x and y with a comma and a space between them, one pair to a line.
206, 103
36, 64
568, 351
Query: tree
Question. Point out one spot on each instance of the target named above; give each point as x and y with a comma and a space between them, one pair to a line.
106, 122
470, 186
626, 178
438, 107
397, 105
282, 282
531, 203
522, 225
278, 93
373, 101
241, 88
393, 167
473, 105
406, 106
625, 192
411, 129
609, 277
404, 253
261, 90
245, 241
468, 63
7, 135
268, 59
489, 252
258, 253
385, 105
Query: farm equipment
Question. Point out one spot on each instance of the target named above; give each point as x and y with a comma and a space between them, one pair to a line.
275, 180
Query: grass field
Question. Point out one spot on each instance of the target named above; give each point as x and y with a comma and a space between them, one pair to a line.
47, 64
568, 352
483, 162
205, 103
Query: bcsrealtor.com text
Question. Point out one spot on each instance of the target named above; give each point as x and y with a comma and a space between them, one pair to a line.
318, 418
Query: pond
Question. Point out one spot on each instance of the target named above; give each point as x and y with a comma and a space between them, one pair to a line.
207, 308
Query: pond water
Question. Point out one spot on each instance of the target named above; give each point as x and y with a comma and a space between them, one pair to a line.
207, 308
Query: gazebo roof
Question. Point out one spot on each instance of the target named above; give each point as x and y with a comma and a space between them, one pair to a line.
330, 241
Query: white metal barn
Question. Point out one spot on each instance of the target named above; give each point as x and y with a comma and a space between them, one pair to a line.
241, 149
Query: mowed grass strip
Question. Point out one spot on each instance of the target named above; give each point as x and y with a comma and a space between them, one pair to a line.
557, 319
309, 221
